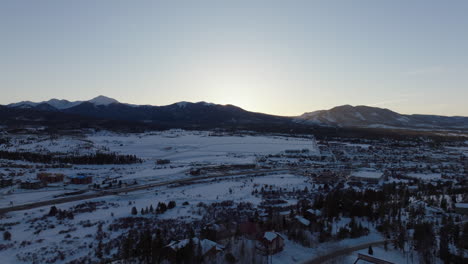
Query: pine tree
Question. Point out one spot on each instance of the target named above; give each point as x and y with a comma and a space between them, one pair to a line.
134, 211
6, 235
370, 251
53, 211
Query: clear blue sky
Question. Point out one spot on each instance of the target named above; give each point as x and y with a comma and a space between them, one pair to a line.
279, 57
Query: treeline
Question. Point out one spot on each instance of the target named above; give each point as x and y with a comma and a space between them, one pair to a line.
98, 158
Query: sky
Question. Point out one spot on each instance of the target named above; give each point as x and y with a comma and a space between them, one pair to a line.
276, 57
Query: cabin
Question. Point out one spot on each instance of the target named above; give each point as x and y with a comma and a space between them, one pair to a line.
271, 243
50, 177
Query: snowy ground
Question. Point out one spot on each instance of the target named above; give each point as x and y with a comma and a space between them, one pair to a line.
238, 189
183, 148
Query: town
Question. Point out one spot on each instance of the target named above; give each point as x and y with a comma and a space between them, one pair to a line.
179, 196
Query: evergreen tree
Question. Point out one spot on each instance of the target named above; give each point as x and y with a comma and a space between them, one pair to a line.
52, 211
6, 235
134, 211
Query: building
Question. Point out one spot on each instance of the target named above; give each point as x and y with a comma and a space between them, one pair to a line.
208, 249
50, 177
81, 179
32, 184
461, 208
5, 182
367, 175
302, 221
163, 161
271, 243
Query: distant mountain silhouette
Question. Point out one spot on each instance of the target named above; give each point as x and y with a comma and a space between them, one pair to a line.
202, 114
366, 116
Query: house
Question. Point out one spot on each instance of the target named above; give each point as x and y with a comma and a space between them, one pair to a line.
301, 220
461, 208
271, 243
209, 249
162, 161
81, 179
367, 175
369, 259
312, 214
5, 182
32, 184
50, 177
195, 172
218, 231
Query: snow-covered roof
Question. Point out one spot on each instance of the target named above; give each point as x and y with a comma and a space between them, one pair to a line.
206, 244
271, 235
461, 205
315, 212
302, 220
367, 173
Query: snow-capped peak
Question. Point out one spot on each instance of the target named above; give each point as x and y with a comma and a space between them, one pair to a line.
103, 100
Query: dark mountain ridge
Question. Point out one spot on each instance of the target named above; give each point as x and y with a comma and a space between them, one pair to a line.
208, 115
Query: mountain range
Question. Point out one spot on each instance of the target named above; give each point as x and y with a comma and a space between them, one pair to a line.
204, 114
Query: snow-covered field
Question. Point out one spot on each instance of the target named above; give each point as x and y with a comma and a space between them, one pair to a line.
238, 189
183, 148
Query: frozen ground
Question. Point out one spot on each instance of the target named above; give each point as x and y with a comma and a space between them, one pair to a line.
238, 189
183, 148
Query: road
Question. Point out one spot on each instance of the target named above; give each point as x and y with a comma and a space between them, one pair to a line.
342, 252
129, 189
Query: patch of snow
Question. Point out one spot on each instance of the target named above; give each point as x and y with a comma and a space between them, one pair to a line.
303, 220
270, 236
367, 173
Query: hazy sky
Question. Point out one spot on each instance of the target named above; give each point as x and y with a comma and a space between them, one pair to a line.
279, 57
